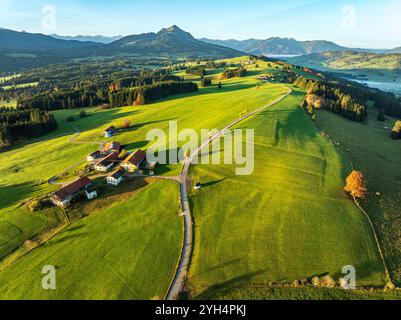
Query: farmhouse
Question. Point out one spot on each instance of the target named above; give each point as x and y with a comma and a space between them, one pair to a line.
107, 163
94, 156
112, 147
132, 163
116, 177
108, 133
63, 197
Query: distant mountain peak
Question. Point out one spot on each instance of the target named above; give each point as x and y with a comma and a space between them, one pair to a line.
176, 31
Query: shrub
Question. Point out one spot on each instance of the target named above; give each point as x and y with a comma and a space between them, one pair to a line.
206, 82
328, 282
316, 281
70, 119
82, 114
355, 185
125, 124
34, 205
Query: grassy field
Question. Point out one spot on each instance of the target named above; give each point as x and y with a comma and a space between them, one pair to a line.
302, 293
8, 104
379, 158
127, 250
289, 220
21, 86
26, 168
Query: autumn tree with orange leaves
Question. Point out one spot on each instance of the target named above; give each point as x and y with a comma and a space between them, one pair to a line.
355, 185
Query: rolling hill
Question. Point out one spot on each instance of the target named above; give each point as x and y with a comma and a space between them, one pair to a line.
22, 50
169, 42
278, 46
84, 38
289, 46
348, 60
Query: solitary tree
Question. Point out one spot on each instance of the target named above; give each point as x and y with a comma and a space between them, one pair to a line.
125, 123
380, 116
396, 132
355, 185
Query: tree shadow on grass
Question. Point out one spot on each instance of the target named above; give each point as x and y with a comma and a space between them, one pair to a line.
225, 287
11, 194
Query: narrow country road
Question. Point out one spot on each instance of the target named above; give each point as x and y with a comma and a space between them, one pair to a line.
77, 133
182, 270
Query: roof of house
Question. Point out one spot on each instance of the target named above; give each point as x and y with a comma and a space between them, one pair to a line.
108, 159
95, 154
72, 188
117, 174
112, 146
136, 158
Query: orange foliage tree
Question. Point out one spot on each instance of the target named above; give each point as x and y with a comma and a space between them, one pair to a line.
355, 184
125, 123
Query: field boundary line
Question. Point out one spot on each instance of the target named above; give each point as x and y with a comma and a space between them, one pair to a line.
388, 279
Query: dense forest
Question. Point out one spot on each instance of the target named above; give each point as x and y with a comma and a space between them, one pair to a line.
331, 97
90, 96
120, 90
347, 99
16, 124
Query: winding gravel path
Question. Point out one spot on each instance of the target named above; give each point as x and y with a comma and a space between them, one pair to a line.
182, 270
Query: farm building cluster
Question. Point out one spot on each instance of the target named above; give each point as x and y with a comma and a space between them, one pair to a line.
113, 161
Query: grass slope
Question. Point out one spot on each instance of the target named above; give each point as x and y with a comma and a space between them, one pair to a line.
288, 221
379, 158
127, 251
26, 168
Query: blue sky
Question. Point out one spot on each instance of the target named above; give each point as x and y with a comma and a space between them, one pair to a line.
354, 23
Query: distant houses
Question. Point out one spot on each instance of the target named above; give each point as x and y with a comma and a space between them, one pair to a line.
133, 162
63, 197
109, 132
116, 177
104, 161
107, 163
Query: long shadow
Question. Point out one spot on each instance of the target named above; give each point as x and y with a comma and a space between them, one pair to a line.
10, 195
225, 287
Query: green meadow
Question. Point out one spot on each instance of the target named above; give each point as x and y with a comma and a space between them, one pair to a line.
27, 167
290, 220
8, 104
287, 221
126, 251
378, 156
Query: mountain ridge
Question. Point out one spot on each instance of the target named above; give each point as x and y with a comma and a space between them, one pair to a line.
287, 46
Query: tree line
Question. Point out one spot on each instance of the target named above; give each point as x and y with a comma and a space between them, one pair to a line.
17, 124
117, 94
197, 71
333, 98
238, 72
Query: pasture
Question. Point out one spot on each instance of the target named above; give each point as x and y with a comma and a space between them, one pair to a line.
125, 250
290, 220
27, 167
378, 156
